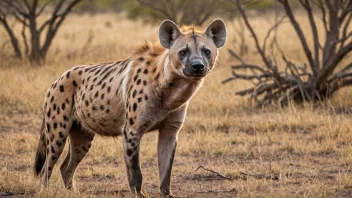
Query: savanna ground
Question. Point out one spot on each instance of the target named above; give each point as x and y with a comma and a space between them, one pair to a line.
297, 151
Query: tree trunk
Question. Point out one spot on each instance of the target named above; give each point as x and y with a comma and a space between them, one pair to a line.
13, 39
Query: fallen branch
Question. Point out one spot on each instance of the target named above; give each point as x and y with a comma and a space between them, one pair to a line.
217, 173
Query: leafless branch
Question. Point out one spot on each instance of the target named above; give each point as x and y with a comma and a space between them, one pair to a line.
212, 171
299, 82
300, 34
275, 26
26, 12
23, 33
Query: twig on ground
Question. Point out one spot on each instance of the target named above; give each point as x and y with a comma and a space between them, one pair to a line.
212, 171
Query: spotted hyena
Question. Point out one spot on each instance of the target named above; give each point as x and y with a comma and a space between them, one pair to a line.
148, 91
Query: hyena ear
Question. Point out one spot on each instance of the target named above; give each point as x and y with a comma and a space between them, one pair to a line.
168, 33
216, 30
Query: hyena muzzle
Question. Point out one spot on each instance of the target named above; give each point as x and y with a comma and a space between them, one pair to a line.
148, 91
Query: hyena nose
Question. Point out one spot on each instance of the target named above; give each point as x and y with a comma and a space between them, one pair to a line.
197, 66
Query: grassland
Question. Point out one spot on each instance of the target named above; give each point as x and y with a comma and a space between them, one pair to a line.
297, 151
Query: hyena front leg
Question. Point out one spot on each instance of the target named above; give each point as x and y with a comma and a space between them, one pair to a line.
167, 146
131, 144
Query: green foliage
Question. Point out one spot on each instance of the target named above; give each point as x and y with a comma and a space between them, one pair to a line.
136, 11
100, 5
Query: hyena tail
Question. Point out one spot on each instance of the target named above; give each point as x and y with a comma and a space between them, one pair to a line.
41, 151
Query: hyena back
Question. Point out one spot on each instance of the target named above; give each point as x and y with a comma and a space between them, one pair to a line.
148, 91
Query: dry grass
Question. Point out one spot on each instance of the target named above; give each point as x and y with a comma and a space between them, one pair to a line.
286, 152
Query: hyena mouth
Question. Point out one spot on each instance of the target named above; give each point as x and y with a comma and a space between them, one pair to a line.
194, 75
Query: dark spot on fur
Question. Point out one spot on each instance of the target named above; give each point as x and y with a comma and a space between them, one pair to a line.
48, 113
52, 99
54, 107
138, 81
67, 74
74, 83
139, 99
134, 93
141, 59
63, 106
61, 135
96, 94
131, 121
87, 103
52, 149
134, 106
55, 125
135, 78
146, 97
80, 72
58, 143
145, 71
58, 111
139, 70
109, 89
144, 82
65, 118
61, 88
157, 76
102, 96
129, 152
94, 108
102, 107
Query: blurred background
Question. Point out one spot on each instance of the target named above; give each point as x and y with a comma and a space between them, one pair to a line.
274, 116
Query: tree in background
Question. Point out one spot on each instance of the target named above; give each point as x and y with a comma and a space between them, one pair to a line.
323, 74
26, 12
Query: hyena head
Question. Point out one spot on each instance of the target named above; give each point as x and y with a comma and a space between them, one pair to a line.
192, 52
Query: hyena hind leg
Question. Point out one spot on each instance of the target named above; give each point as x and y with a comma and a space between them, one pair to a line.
80, 142
55, 143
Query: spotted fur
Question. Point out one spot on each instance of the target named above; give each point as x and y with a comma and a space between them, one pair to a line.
148, 91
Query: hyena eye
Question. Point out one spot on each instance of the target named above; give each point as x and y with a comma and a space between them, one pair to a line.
207, 52
182, 53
